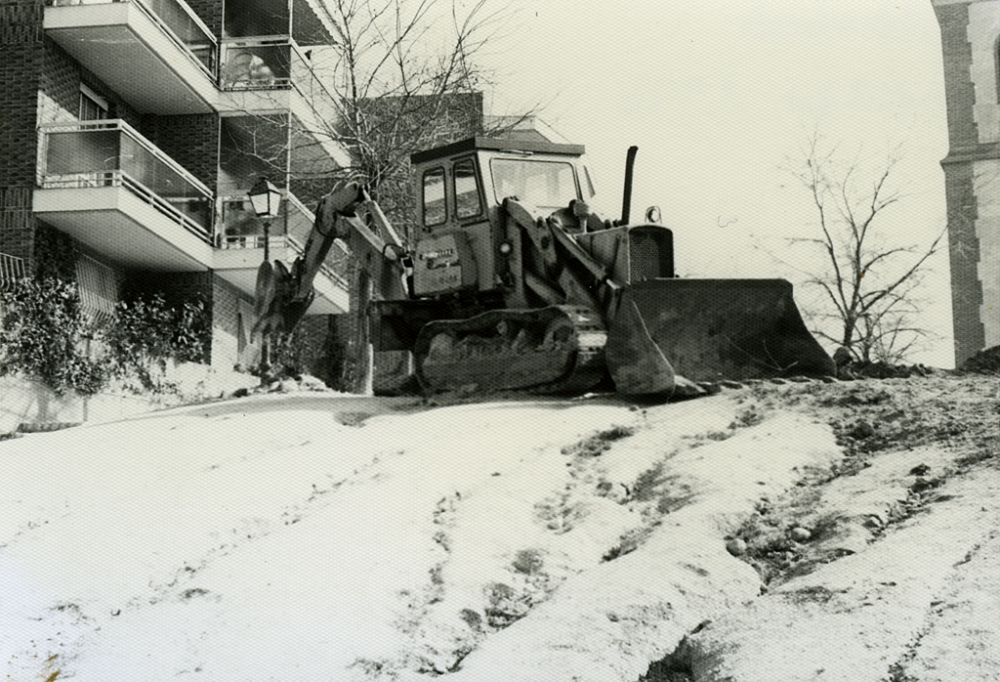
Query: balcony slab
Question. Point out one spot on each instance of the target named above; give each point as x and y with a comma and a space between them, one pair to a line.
117, 223
133, 55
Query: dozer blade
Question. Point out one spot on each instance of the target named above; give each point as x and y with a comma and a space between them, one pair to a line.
636, 363
712, 329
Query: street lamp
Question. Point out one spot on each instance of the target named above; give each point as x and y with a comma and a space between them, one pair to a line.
265, 199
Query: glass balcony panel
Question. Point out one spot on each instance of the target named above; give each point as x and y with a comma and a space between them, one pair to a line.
111, 153
278, 63
85, 155
182, 21
242, 229
255, 65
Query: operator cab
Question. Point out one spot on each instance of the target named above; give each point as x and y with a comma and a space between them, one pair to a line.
459, 182
460, 190
463, 242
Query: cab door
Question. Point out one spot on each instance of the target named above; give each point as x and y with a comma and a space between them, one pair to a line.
455, 246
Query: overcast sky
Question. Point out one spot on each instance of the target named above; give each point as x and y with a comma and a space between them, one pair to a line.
717, 95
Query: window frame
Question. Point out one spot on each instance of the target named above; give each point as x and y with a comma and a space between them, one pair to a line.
88, 95
423, 196
477, 178
572, 167
996, 67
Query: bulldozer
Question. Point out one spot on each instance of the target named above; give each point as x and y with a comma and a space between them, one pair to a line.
510, 282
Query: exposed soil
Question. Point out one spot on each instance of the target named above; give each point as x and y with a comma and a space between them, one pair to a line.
916, 451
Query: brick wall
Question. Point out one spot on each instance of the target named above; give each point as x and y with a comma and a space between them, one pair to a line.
963, 249
225, 317
20, 65
59, 89
40, 84
58, 86
965, 146
318, 343
190, 140
17, 223
209, 11
960, 94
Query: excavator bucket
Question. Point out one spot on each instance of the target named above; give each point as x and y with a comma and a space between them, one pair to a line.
711, 329
264, 290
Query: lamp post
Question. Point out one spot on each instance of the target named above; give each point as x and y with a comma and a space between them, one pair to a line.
265, 199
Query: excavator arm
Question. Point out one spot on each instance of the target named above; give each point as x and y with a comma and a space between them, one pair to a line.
283, 296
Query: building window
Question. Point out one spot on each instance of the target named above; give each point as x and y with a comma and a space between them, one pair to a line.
93, 107
98, 287
467, 201
435, 211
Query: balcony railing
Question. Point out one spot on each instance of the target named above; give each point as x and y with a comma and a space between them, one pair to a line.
274, 63
241, 229
177, 20
12, 269
113, 154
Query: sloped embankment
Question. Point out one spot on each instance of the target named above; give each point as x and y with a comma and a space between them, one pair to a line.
881, 568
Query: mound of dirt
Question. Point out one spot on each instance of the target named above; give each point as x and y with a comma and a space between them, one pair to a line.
986, 361
881, 370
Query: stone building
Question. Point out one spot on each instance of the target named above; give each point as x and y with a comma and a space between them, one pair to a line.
970, 40
130, 132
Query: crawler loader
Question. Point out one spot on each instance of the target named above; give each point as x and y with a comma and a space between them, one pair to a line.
511, 282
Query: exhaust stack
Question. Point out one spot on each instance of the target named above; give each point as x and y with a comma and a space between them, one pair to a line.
627, 194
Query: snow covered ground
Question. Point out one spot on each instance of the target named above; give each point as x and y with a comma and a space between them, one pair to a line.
329, 537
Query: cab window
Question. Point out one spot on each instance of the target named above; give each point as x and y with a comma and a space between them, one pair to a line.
435, 211
468, 203
546, 184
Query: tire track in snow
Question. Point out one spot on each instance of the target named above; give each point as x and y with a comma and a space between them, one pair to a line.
258, 528
436, 646
945, 618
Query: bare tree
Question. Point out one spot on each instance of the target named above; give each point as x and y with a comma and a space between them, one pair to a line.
400, 76
869, 282
397, 94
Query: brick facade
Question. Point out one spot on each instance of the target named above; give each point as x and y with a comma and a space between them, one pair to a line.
969, 32
190, 140
41, 85
210, 12
960, 92
963, 248
20, 66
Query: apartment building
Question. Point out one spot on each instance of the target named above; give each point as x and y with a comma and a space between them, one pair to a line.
130, 133
970, 41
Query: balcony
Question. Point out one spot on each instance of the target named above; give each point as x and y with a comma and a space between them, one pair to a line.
241, 250
264, 76
112, 189
157, 53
